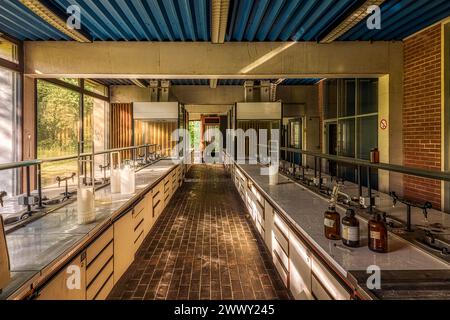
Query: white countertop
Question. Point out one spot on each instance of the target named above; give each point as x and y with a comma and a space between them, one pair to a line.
305, 210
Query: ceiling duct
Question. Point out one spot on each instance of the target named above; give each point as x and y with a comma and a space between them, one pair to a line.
264, 91
213, 83
219, 20
249, 91
164, 93
154, 90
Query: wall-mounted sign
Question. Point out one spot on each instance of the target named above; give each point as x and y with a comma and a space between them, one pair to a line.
383, 124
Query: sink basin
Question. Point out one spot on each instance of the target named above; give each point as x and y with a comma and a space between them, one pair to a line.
435, 244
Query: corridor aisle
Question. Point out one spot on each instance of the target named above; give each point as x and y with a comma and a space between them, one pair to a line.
203, 247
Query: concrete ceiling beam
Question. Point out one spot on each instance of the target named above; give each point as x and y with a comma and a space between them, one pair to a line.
243, 60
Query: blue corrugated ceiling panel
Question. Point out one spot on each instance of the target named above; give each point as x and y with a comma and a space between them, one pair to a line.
231, 82
190, 82
115, 82
400, 19
20, 22
282, 20
299, 82
140, 20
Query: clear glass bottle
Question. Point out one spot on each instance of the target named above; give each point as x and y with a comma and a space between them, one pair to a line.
378, 234
350, 229
332, 223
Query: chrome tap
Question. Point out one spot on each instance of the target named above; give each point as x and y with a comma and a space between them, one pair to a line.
425, 207
2, 195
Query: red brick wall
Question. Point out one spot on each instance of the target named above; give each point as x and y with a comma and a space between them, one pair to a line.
422, 112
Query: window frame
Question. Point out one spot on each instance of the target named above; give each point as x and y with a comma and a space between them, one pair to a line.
80, 90
340, 87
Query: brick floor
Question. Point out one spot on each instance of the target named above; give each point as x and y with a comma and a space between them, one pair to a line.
203, 247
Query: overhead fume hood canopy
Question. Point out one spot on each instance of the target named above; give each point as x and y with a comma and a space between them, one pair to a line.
155, 110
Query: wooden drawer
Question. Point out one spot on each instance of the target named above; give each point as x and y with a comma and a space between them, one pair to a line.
94, 268
319, 292
107, 288
138, 208
283, 272
99, 244
157, 208
282, 255
138, 235
327, 281
100, 281
281, 238
138, 218
299, 269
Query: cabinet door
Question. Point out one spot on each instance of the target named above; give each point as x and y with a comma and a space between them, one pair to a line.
268, 225
123, 245
325, 284
68, 284
300, 269
148, 213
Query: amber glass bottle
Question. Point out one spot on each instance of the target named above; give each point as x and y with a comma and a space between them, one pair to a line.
350, 229
378, 234
332, 223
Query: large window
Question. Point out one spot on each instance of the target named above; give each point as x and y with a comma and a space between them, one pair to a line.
10, 128
352, 104
66, 112
10, 111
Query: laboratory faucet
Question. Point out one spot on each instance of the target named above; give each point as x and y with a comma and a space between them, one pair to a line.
425, 207
2, 195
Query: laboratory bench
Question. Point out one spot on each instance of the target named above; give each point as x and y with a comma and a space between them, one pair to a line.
289, 217
45, 252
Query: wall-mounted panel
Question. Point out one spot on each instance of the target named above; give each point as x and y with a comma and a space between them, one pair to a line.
155, 110
259, 110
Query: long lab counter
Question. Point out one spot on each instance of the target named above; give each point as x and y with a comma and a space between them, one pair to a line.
289, 218
41, 251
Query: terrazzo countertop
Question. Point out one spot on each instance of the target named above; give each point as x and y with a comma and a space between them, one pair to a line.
305, 210
35, 248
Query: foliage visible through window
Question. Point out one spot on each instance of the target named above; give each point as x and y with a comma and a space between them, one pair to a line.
75, 82
58, 112
194, 131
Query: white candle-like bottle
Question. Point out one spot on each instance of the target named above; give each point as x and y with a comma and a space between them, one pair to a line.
115, 180
115, 172
127, 179
85, 205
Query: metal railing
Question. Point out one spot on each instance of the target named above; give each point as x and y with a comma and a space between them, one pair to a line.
359, 165
37, 163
